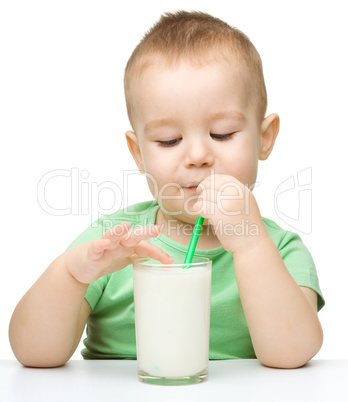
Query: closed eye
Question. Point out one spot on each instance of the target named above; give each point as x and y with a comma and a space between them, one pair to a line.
221, 137
169, 143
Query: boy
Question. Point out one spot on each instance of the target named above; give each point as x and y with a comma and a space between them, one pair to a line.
196, 101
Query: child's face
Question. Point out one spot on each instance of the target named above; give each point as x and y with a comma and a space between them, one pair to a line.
191, 122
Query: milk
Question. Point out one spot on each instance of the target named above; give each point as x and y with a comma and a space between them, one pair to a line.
172, 316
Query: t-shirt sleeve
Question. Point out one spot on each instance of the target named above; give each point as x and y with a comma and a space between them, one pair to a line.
300, 264
95, 291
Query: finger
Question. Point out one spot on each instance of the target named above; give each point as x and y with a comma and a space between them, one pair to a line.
220, 183
146, 249
138, 234
207, 194
208, 183
205, 208
117, 232
97, 248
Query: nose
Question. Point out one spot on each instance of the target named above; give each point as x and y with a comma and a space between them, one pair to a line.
198, 154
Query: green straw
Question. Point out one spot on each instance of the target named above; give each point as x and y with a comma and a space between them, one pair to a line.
193, 243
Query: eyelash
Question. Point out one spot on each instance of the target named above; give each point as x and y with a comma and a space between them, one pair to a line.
169, 143
217, 137
222, 137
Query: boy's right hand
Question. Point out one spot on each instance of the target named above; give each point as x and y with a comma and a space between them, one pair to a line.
116, 249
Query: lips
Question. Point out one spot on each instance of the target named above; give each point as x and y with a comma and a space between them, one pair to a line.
192, 188
193, 184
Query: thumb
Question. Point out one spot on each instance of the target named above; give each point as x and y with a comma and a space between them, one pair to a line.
97, 248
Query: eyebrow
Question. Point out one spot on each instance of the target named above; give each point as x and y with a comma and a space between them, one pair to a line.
158, 123
228, 115
153, 124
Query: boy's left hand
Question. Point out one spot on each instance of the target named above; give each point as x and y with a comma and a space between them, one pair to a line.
232, 210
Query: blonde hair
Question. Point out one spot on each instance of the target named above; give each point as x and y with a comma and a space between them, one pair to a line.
197, 37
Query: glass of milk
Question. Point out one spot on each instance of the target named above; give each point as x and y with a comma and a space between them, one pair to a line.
172, 320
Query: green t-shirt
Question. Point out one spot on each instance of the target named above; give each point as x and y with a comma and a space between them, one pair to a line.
110, 327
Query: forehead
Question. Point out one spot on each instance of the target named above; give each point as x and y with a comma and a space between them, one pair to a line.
155, 63
162, 86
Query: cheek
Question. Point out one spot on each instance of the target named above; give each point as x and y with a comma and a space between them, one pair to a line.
244, 164
160, 162
163, 187
153, 156
156, 178
250, 173
161, 178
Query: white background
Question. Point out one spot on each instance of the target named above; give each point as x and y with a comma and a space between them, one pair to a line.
62, 109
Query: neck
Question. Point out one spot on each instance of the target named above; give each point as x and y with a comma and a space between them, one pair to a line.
181, 232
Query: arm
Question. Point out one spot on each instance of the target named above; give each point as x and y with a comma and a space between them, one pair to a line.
43, 327
48, 322
281, 316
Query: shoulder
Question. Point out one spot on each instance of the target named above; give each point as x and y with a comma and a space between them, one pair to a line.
293, 251
141, 213
280, 236
289, 244
297, 258
138, 214
273, 228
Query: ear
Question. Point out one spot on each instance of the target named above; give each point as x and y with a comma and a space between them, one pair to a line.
269, 132
134, 148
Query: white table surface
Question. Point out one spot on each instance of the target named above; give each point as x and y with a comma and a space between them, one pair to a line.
229, 380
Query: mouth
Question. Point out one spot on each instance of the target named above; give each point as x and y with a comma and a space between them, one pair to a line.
192, 186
